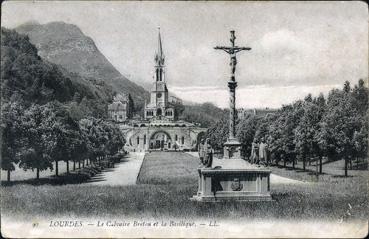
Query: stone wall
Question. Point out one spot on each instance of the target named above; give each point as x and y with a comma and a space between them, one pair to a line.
143, 138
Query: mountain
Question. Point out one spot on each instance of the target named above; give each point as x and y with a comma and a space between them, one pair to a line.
66, 45
28, 78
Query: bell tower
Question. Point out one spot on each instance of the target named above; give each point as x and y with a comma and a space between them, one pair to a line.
158, 108
159, 60
160, 91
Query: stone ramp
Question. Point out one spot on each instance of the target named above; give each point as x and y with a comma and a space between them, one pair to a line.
124, 173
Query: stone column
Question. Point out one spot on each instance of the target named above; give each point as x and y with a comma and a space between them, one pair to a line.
232, 109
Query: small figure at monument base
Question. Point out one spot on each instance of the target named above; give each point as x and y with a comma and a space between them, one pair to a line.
201, 151
205, 153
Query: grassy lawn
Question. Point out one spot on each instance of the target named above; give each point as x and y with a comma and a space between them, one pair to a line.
168, 180
168, 168
331, 173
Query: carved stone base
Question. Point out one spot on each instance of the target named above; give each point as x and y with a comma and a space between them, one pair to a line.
233, 185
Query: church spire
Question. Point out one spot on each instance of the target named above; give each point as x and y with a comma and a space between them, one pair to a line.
159, 58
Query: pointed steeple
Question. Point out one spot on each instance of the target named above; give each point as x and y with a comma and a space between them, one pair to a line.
159, 57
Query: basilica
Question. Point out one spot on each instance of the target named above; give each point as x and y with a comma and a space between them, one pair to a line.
160, 128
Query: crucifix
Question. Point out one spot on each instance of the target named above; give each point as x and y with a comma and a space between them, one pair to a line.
232, 146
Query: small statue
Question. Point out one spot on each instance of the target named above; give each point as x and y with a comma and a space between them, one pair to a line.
208, 152
201, 151
233, 64
263, 148
254, 157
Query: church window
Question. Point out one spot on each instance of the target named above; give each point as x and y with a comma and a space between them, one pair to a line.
176, 137
145, 139
159, 95
182, 140
138, 140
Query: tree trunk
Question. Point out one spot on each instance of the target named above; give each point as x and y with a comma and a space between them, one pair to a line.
68, 166
304, 163
284, 162
316, 167
293, 163
8, 176
346, 167
38, 173
87, 161
320, 165
83, 163
74, 165
79, 164
56, 167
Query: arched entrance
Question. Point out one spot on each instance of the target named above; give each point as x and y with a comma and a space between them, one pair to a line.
160, 140
159, 112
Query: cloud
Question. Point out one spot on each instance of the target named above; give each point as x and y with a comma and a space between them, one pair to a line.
283, 40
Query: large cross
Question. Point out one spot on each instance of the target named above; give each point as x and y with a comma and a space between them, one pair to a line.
232, 84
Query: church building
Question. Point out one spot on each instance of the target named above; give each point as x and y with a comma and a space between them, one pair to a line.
121, 109
158, 108
160, 129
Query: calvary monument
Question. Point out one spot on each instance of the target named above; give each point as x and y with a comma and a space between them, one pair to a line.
232, 178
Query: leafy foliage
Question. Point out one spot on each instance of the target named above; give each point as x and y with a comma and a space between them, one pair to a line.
336, 127
206, 114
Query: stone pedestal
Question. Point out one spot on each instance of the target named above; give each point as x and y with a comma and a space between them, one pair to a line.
232, 149
233, 180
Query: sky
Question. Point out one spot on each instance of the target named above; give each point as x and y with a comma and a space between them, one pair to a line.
297, 47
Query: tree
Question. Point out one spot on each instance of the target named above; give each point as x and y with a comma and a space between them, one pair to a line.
246, 129
11, 135
283, 131
339, 124
66, 135
309, 126
36, 154
218, 133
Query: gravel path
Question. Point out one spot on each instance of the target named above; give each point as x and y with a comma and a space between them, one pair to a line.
124, 173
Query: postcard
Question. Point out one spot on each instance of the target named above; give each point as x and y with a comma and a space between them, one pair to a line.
184, 119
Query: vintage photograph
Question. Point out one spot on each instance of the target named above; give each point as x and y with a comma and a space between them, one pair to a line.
184, 119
